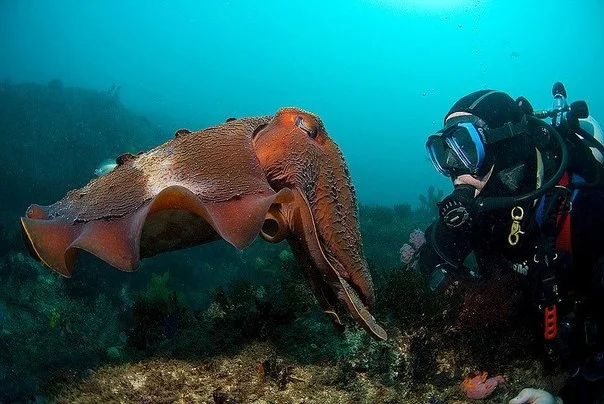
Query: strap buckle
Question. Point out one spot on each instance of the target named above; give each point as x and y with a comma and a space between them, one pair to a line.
517, 214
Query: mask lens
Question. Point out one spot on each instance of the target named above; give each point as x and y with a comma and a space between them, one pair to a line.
444, 159
437, 150
467, 145
457, 149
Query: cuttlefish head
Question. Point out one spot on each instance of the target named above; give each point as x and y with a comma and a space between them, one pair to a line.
321, 220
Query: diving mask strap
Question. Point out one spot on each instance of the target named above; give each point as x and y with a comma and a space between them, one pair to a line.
507, 131
489, 136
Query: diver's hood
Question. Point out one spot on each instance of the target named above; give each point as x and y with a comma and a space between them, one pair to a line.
518, 167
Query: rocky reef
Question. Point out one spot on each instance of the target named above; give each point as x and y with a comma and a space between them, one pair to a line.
212, 324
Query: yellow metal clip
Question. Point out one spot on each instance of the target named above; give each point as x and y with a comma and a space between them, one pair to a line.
515, 231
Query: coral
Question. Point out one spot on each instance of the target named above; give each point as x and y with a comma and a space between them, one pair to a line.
407, 253
417, 238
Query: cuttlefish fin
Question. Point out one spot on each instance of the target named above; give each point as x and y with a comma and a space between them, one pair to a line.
239, 220
117, 241
50, 242
56, 242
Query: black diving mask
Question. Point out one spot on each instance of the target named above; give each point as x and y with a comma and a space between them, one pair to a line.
460, 147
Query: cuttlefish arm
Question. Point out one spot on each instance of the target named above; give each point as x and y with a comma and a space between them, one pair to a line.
327, 276
321, 222
198, 187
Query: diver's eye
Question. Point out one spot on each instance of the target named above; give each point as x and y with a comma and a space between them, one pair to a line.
299, 122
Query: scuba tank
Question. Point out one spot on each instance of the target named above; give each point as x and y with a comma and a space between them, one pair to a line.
568, 321
591, 126
575, 125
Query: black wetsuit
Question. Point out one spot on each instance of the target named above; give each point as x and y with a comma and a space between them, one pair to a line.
580, 273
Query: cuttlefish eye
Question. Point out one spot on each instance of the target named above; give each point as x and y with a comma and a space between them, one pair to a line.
299, 122
257, 130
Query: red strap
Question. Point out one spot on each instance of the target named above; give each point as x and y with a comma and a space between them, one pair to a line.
550, 322
563, 240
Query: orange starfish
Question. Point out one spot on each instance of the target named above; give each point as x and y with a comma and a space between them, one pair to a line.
479, 386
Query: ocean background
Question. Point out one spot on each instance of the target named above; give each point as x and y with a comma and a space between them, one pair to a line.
83, 81
380, 73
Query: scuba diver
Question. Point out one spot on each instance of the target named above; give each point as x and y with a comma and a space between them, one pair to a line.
530, 194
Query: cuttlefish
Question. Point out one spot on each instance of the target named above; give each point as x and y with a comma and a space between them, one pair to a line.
281, 177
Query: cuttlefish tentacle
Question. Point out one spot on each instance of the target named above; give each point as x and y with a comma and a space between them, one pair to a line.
296, 152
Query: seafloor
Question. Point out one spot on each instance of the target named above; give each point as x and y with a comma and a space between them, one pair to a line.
242, 377
211, 324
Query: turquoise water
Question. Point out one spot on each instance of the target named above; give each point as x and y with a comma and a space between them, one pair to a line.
381, 74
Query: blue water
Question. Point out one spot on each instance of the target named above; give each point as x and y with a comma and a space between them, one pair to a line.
381, 74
